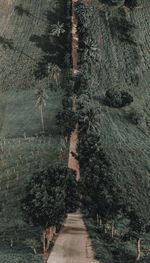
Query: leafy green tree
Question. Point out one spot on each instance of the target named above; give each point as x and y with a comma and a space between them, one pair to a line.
66, 120
72, 196
87, 120
48, 196
138, 212
44, 203
117, 98
100, 190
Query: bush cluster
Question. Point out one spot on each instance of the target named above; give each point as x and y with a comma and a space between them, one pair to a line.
117, 98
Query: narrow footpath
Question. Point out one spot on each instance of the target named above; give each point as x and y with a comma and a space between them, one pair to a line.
73, 244
72, 162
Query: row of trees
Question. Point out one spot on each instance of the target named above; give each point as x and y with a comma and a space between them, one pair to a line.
107, 196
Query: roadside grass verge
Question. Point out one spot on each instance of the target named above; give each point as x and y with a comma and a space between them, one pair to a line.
113, 250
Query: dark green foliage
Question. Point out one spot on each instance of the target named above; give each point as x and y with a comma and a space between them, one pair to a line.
117, 98
87, 120
67, 102
116, 2
102, 251
21, 10
66, 120
6, 43
131, 3
72, 195
100, 189
49, 194
112, 187
44, 201
123, 29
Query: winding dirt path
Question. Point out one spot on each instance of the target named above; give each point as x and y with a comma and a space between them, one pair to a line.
73, 244
72, 162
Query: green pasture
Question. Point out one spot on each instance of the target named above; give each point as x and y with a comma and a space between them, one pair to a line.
26, 48
125, 66
122, 64
20, 114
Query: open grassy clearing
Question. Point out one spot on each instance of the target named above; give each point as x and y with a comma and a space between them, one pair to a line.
26, 54
26, 49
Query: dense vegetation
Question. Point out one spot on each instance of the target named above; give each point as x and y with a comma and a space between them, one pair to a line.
49, 195
114, 177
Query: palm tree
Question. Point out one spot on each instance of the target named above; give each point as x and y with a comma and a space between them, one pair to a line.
91, 49
41, 102
57, 29
54, 72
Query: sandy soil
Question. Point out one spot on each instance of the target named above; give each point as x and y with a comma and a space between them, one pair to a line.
73, 244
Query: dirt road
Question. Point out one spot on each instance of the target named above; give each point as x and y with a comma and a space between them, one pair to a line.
73, 244
72, 162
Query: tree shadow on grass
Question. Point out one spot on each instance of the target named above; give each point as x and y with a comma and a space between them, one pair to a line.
53, 47
6, 43
54, 53
20, 10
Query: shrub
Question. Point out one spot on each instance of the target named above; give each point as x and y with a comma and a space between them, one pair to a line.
117, 98
117, 2
137, 117
66, 120
123, 29
131, 3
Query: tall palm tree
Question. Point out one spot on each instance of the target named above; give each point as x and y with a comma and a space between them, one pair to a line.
57, 29
54, 72
41, 103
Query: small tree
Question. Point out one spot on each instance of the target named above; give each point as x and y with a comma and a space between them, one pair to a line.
54, 72
117, 98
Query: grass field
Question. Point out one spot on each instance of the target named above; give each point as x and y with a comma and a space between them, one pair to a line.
123, 63
123, 66
26, 48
